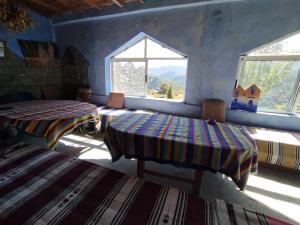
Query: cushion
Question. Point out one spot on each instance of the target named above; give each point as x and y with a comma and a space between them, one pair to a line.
213, 109
50, 93
115, 100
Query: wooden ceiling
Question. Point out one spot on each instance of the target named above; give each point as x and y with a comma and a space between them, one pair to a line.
52, 8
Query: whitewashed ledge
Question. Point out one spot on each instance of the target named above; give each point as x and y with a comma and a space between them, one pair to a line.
268, 120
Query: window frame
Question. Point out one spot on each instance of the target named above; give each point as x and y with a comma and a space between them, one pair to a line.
146, 60
291, 108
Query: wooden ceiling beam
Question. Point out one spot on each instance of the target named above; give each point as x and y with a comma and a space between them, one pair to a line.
45, 5
65, 4
60, 7
119, 3
93, 4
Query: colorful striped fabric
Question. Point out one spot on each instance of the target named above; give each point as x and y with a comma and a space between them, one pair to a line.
49, 119
107, 114
276, 147
45, 187
185, 142
225, 213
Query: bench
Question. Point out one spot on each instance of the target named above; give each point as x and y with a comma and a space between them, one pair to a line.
277, 147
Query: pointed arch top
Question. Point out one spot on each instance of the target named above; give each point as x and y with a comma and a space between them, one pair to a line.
144, 46
287, 45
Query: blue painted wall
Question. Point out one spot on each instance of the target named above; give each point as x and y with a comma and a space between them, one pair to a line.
43, 32
212, 35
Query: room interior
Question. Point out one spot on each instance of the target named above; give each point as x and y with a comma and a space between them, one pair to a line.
150, 112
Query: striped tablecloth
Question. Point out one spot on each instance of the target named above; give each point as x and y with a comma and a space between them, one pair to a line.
45, 187
185, 142
49, 119
107, 114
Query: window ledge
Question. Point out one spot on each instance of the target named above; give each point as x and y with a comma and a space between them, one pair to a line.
155, 99
265, 113
278, 114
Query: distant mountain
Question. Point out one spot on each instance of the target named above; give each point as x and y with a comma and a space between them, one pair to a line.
167, 69
167, 74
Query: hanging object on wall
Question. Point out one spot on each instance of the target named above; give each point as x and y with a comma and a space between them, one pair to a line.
245, 99
38, 53
1, 49
15, 18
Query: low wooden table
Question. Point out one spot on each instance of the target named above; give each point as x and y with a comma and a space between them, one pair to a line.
183, 142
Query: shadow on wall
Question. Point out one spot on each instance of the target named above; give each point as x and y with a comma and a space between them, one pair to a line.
74, 72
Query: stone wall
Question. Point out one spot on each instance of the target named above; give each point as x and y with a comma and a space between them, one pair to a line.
16, 76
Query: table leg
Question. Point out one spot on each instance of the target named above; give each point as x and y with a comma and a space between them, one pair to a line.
140, 168
197, 182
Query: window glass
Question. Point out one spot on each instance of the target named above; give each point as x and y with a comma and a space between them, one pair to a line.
155, 50
290, 45
166, 79
276, 79
135, 51
129, 78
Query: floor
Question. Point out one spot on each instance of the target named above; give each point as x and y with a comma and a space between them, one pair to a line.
273, 192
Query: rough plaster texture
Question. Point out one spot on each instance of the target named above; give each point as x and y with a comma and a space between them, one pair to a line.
213, 37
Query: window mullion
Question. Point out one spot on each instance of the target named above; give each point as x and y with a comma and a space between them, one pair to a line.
112, 76
241, 68
294, 95
146, 67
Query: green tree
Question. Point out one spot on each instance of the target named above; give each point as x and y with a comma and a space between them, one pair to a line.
170, 92
164, 88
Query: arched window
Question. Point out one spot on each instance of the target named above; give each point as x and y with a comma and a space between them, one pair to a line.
148, 68
275, 69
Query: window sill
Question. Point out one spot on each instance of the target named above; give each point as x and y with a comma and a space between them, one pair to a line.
265, 113
155, 99
278, 114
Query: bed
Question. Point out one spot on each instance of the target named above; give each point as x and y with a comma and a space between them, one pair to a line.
38, 186
49, 119
184, 142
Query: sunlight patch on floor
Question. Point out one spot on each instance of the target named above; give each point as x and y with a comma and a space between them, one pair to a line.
95, 154
278, 196
87, 151
274, 186
84, 139
72, 144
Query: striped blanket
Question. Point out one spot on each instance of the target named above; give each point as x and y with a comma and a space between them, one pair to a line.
276, 147
45, 187
49, 119
185, 142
